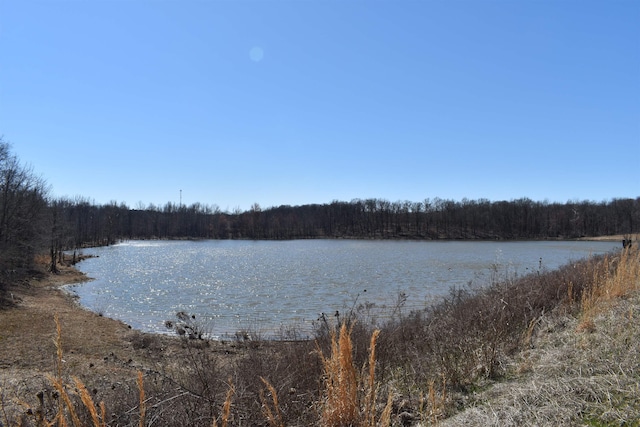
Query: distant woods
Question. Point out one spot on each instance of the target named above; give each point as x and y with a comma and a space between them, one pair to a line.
430, 219
32, 222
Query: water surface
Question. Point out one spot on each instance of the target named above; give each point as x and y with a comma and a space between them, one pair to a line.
263, 286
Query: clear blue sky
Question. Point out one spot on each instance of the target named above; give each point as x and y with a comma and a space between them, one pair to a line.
293, 102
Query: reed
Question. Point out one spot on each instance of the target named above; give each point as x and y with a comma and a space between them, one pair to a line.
65, 404
226, 407
67, 407
88, 402
341, 385
343, 406
437, 401
57, 380
274, 417
385, 417
143, 405
370, 397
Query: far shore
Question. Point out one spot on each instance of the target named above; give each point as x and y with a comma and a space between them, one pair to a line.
613, 238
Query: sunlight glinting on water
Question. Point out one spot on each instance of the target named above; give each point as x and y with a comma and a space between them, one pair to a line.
263, 286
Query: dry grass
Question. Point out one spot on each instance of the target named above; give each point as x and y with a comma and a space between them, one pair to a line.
273, 416
582, 368
371, 391
617, 279
569, 378
341, 385
75, 405
436, 408
98, 420
143, 403
226, 408
343, 403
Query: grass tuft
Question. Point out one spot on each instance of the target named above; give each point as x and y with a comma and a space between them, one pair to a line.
340, 383
436, 401
343, 406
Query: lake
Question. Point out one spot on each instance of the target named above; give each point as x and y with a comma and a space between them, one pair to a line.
265, 286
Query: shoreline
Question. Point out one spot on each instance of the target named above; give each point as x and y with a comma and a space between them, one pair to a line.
635, 237
107, 354
612, 238
101, 350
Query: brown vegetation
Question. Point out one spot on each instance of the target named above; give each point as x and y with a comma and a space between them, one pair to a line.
551, 348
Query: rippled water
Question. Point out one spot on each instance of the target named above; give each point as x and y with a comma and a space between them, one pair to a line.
262, 285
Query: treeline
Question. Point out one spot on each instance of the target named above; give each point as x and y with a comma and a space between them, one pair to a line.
432, 219
23, 213
32, 222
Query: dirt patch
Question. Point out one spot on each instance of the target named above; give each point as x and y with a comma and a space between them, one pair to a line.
28, 328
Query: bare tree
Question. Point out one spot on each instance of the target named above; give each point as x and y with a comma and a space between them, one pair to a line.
22, 207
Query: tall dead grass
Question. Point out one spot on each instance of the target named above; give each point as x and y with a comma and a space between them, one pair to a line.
67, 412
617, 278
349, 398
273, 416
226, 408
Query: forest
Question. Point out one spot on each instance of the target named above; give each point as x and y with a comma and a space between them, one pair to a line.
82, 223
32, 221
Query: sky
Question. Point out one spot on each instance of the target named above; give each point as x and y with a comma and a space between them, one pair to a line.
289, 102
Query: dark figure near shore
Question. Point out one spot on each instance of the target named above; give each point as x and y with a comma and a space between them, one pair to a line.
626, 243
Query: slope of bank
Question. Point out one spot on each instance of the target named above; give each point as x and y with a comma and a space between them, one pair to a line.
579, 364
570, 376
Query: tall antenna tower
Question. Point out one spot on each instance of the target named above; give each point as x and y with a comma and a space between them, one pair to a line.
180, 199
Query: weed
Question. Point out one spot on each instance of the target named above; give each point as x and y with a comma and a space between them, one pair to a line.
342, 403
226, 407
186, 325
616, 278
143, 403
436, 402
274, 417
340, 382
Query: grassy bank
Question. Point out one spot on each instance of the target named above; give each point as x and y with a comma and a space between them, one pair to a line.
550, 348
